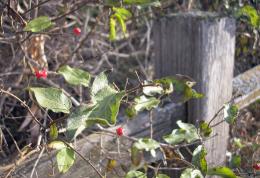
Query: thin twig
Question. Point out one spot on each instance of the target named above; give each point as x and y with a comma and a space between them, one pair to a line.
23, 104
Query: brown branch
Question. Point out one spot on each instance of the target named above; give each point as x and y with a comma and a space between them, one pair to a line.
23, 104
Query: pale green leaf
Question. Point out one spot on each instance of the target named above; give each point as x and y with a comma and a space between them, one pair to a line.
146, 144
230, 113
75, 76
121, 22
65, 159
124, 13
152, 90
191, 173
53, 99
139, 2
143, 102
53, 131
57, 145
187, 132
135, 174
38, 24
162, 176
235, 161
251, 13
204, 129
112, 28
221, 171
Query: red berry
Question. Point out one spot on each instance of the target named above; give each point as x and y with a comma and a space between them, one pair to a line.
41, 73
256, 166
44, 73
77, 31
119, 131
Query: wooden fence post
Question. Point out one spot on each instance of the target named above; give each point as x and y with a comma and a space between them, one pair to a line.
201, 45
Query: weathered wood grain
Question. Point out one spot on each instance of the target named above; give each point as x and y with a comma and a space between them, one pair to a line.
200, 45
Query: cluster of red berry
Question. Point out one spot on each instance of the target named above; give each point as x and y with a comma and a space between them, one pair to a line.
41, 73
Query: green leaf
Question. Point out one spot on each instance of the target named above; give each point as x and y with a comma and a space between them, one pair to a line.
135, 174
235, 161
187, 132
75, 76
199, 159
121, 22
53, 131
38, 24
112, 28
124, 13
230, 113
106, 110
223, 172
53, 99
100, 82
65, 159
143, 102
191, 173
251, 13
106, 102
181, 86
57, 145
204, 129
162, 176
76, 122
146, 144
136, 156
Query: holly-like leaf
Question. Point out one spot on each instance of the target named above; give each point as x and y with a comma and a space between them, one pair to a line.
53, 131
187, 132
199, 159
223, 172
53, 99
162, 176
191, 173
230, 113
38, 24
75, 76
65, 159
205, 129
135, 174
